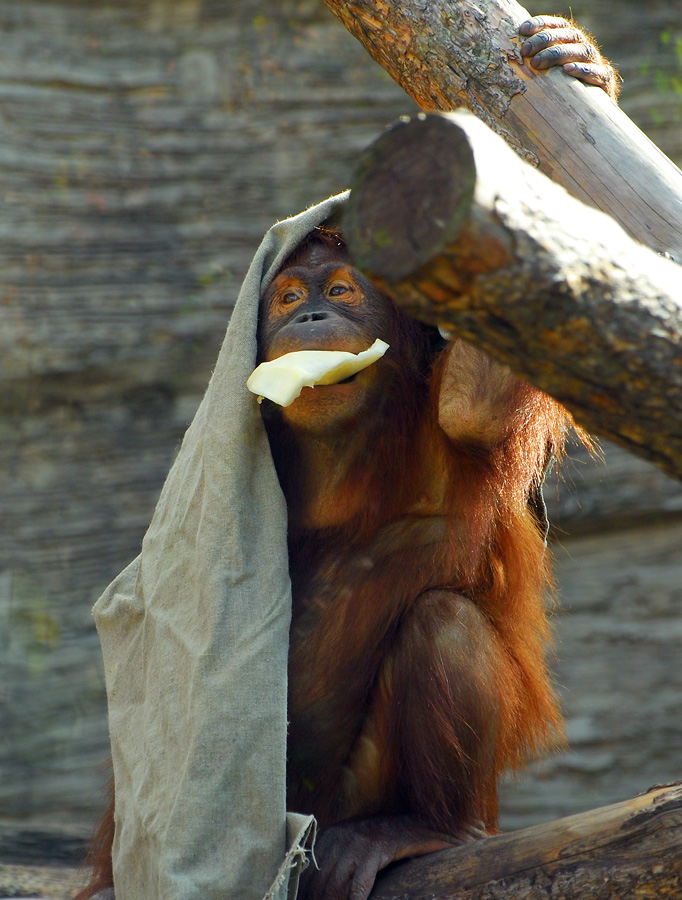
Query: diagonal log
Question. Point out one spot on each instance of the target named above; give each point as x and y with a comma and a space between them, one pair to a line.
451, 53
626, 851
463, 233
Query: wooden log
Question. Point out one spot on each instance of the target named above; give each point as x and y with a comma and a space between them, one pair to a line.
626, 851
451, 53
463, 233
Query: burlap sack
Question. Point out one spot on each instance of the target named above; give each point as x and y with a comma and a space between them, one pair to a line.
194, 635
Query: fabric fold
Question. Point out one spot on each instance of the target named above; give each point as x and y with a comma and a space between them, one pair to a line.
194, 635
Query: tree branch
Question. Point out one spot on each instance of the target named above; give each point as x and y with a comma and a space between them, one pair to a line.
463, 233
451, 53
626, 851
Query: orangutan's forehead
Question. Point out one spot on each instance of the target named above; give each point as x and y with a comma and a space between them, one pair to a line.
316, 253
316, 272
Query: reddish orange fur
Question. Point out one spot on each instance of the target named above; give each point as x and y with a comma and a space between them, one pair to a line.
492, 553
375, 594
99, 857
430, 533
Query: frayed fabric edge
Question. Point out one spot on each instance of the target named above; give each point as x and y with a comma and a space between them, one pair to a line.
301, 834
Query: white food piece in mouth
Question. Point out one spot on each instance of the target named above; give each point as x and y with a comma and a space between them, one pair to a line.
282, 380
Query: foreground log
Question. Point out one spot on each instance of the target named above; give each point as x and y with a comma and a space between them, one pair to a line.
625, 851
451, 53
463, 233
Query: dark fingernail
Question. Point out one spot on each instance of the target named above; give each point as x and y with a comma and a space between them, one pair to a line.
524, 28
526, 48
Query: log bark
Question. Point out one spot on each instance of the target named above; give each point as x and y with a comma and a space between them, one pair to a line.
625, 851
463, 233
459, 53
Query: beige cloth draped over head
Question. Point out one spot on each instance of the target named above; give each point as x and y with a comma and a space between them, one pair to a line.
194, 635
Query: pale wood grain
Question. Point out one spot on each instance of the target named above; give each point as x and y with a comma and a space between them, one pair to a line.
452, 54
622, 852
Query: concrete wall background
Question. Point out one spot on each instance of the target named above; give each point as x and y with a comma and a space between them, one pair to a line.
145, 149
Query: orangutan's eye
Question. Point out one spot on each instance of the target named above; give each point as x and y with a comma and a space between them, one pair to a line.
339, 290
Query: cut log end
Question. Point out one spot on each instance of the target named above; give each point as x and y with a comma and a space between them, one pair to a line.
410, 196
